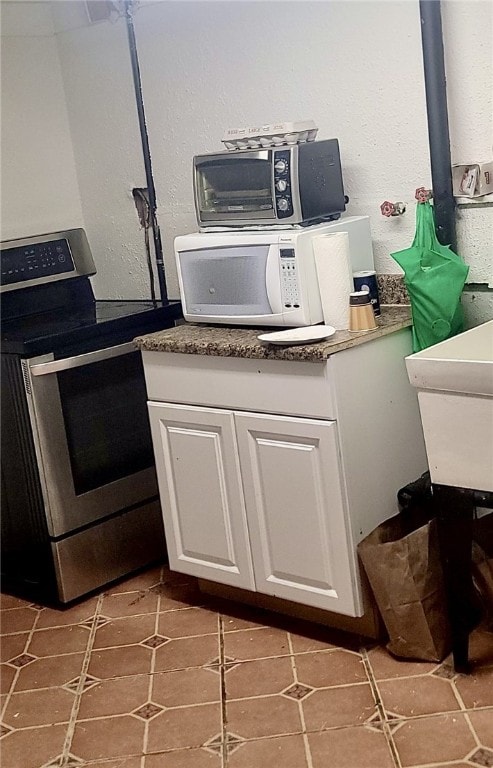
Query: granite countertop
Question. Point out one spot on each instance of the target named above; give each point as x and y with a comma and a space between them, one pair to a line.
227, 341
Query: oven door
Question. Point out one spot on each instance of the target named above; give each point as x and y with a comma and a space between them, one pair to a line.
91, 433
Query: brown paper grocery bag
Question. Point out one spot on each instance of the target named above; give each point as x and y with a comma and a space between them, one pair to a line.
406, 577
482, 573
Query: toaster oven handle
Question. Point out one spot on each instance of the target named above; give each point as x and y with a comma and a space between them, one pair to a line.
42, 369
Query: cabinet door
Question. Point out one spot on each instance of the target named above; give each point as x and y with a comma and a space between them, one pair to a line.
300, 543
201, 496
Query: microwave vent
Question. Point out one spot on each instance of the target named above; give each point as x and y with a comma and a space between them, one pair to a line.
271, 135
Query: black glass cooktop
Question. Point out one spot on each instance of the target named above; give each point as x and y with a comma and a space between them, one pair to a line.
66, 331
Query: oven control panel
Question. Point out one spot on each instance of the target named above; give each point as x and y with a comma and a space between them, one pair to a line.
28, 262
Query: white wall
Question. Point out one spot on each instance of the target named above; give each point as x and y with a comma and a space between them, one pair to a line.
213, 65
39, 191
100, 100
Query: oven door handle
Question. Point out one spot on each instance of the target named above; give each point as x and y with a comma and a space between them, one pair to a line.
42, 369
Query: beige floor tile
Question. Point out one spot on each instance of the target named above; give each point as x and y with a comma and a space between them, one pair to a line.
440, 738
108, 737
189, 652
414, 696
54, 642
385, 666
184, 758
482, 722
186, 727
256, 644
259, 678
285, 751
306, 643
34, 708
456, 765
243, 617
49, 672
126, 631
12, 646
192, 621
17, 620
182, 711
268, 716
7, 675
173, 597
120, 662
49, 617
129, 604
335, 707
119, 762
476, 690
321, 670
114, 697
186, 687
138, 583
9, 601
32, 747
350, 748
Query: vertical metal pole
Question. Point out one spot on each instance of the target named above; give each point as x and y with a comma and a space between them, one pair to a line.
158, 248
438, 127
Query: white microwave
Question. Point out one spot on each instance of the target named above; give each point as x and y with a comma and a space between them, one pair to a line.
267, 277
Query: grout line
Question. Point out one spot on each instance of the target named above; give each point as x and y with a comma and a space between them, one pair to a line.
471, 728
458, 696
151, 672
80, 688
308, 754
16, 676
387, 732
373, 684
222, 674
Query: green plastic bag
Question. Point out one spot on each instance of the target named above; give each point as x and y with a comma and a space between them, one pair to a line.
434, 277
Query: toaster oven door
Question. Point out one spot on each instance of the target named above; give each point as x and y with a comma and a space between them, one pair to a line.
234, 187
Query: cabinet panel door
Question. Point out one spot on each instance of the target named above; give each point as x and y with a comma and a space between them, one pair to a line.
201, 496
301, 545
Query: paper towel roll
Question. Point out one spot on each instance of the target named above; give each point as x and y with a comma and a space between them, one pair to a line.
335, 277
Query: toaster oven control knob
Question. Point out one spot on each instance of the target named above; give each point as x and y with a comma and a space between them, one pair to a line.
281, 185
283, 204
281, 166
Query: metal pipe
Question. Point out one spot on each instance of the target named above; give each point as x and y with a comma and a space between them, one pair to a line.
438, 126
156, 234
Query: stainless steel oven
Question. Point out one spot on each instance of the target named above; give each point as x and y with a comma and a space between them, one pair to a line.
79, 494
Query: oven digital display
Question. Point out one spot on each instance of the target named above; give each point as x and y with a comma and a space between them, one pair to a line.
28, 262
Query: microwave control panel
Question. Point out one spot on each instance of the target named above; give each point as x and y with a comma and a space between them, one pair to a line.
282, 183
290, 292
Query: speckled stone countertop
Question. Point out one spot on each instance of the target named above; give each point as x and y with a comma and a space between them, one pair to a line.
227, 341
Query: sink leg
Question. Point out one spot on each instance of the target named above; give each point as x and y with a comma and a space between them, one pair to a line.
454, 509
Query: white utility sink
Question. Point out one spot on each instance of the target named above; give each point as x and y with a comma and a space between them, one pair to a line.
454, 380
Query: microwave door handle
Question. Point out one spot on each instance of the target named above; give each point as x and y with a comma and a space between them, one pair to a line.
42, 369
272, 279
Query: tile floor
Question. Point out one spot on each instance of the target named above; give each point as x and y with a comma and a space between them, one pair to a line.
153, 674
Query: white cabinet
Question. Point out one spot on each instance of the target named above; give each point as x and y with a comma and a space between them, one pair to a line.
200, 487
271, 472
242, 487
300, 542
